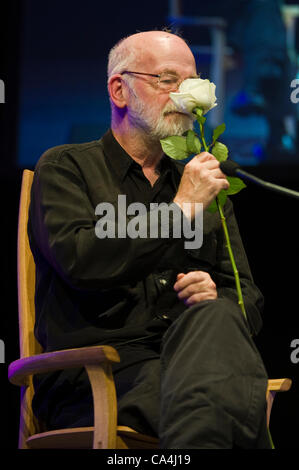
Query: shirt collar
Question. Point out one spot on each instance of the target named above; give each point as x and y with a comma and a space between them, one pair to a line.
116, 154
122, 162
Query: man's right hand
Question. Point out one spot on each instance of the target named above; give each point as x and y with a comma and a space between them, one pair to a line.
201, 181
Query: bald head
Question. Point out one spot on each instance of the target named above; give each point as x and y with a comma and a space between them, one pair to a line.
151, 46
148, 49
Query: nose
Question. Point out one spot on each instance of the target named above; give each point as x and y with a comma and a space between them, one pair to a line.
176, 86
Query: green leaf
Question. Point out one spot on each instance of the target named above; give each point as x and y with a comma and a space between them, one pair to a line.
197, 145
175, 147
220, 151
218, 131
193, 142
222, 196
190, 141
235, 185
213, 207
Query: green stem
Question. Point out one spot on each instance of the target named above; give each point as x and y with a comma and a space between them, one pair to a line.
199, 113
232, 259
203, 138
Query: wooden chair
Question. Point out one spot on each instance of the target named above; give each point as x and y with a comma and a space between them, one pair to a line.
105, 434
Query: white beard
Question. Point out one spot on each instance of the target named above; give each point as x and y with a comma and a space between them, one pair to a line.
170, 122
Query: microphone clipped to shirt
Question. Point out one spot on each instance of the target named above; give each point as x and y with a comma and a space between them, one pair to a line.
231, 168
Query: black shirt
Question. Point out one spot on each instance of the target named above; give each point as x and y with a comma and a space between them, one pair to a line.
116, 291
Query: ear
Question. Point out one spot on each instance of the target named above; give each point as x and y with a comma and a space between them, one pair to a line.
116, 91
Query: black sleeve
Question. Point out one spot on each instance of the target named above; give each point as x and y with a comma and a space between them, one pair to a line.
226, 287
61, 228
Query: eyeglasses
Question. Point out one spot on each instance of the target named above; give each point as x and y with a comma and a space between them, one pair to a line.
166, 81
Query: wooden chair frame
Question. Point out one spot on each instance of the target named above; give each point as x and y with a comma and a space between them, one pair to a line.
105, 434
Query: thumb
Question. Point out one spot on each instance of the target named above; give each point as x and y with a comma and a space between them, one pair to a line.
180, 276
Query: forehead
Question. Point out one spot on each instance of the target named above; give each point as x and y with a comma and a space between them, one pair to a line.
169, 53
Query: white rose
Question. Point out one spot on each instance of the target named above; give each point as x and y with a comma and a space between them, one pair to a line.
195, 92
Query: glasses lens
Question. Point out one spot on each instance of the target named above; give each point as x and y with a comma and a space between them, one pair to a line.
168, 82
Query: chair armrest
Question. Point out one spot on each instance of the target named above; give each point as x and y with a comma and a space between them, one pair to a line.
20, 370
275, 385
279, 385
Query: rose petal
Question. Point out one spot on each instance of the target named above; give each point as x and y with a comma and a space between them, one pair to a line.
183, 101
195, 92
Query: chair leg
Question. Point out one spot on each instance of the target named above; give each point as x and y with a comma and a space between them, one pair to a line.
105, 405
28, 423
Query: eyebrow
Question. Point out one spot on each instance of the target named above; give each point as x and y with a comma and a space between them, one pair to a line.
173, 72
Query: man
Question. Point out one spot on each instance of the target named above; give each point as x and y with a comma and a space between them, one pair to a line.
189, 370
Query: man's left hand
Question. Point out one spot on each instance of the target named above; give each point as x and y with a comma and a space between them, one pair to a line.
194, 287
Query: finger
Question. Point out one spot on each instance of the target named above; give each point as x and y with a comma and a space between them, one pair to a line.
180, 276
197, 288
196, 298
217, 173
223, 183
220, 178
190, 290
208, 161
213, 166
204, 156
190, 278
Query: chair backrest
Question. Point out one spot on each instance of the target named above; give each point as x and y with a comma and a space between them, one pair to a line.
26, 275
29, 346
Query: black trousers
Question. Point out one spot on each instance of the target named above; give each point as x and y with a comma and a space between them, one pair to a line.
206, 389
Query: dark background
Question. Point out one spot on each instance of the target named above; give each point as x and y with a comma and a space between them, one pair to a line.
53, 63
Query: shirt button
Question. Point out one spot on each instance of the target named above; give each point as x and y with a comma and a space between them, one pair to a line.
163, 316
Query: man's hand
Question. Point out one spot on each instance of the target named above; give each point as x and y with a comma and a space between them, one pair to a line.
194, 287
201, 181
